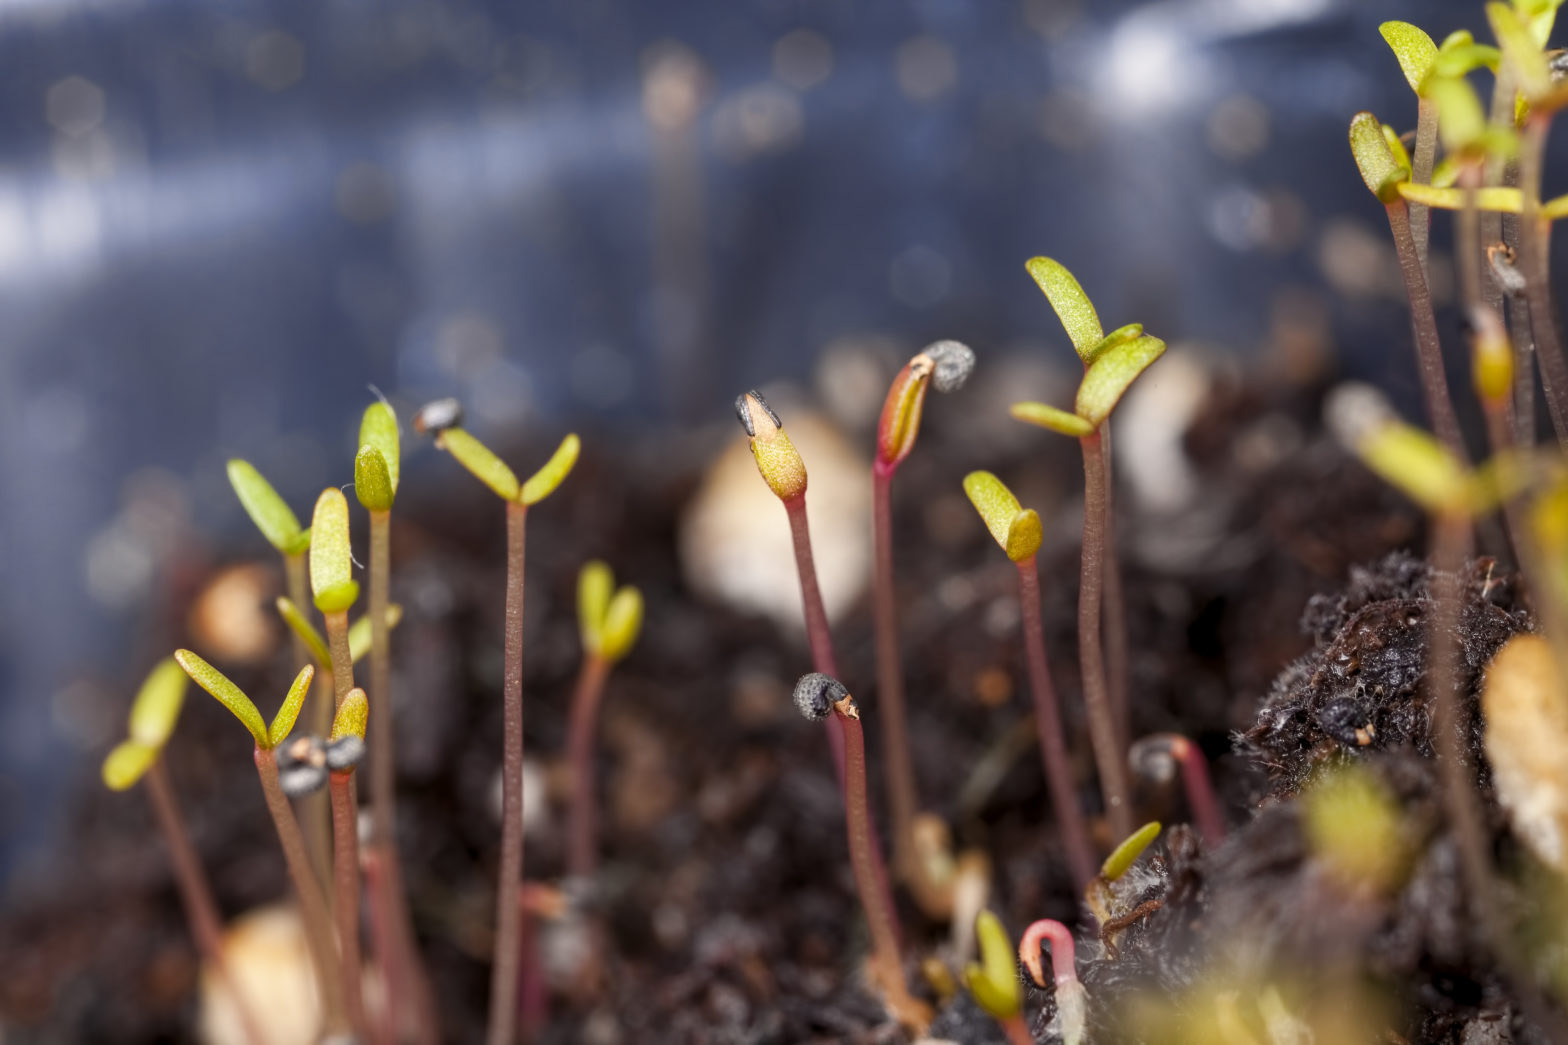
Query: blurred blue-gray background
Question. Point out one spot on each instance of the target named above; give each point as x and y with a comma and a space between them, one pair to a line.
221, 220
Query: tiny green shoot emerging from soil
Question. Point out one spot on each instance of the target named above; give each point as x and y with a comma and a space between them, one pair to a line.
1072, 1002
993, 980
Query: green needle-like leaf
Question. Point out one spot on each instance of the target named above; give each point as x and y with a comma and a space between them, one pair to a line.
1071, 304
622, 622
481, 460
378, 428
543, 482
1465, 59
127, 764
372, 481
157, 705
1014, 527
227, 693
595, 585
300, 625
1374, 159
352, 716
994, 979
331, 566
360, 635
266, 509
1054, 418
1110, 375
283, 721
1414, 49
1126, 854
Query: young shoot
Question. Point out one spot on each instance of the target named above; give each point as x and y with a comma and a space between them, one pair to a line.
1072, 1002
1416, 54
1158, 755
993, 981
945, 366
140, 757
1018, 531
312, 902
443, 418
1102, 892
332, 582
277, 524
816, 697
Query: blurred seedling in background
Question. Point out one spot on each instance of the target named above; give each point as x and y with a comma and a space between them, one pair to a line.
307, 889
1072, 1002
945, 366
816, 697
139, 758
1157, 757
1019, 533
993, 980
1111, 363
1355, 830
443, 418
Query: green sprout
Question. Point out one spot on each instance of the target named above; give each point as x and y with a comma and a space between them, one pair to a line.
277, 524
1111, 364
1017, 530
993, 981
443, 418
1102, 893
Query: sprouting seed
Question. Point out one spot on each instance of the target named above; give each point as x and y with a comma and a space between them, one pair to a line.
816, 694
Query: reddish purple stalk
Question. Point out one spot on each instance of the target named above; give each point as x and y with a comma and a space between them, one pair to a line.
902, 793
1048, 725
1201, 800
1423, 321
503, 970
345, 876
582, 847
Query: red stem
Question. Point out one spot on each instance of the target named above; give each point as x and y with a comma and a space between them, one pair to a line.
1200, 789
1017, 1033
345, 877
1118, 654
1108, 754
902, 793
503, 972
318, 819
584, 818
195, 893
1048, 724
1429, 348
1063, 961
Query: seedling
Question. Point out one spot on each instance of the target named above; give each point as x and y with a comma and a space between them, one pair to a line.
993, 981
312, 902
443, 418
816, 697
1101, 891
277, 524
1072, 1001
1158, 752
1111, 364
332, 582
1017, 530
944, 365
609, 621
140, 757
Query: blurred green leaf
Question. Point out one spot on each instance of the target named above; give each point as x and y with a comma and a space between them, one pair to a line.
1539, 16
595, 585
1126, 854
157, 705
1464, 60
1016, 529
1396, 146
1374, 159
283, 721
372, 481
481, 460
1111, 340
378, 428
543, 482
227, 693
300, 625
994, 980
1461, 122
1491, 197
360, 635
1109, 376
331, 565
1418, 465
266, 509
352, 716
127, 764
1071, 304
1532, 74
1414, 49
1054, 418
622, 622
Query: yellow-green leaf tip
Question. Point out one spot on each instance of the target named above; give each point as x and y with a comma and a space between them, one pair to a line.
1126, 854
226, 693
544, 482
352, 716
283, 721
1521, 50
622, 622
480, 460
1109, 376
295, 618
1414, 49
378, 428
1016, 529
1053, 418
777, 459
595, 586
1402, 455
993, 981
372, 480
127, 764
1379, 168
361, 637
266, 509
1071, 304
331, 565
157, 704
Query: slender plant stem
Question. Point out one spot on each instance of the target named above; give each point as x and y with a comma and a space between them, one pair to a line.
583, 845
503, 970
297, 581
1467, 241
1048, 725
1495, 172
866, 862
1200, 790
345, 876
1017, 1032
1534, 260
1109, 756
196, 894
1421, 164
1118, 650
1429, 348
902, 793
380, 934
342, 660
318, 818
312, 902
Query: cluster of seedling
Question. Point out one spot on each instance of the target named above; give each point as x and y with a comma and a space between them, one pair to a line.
1489, 174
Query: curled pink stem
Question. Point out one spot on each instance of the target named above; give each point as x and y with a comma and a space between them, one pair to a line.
1060, 938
